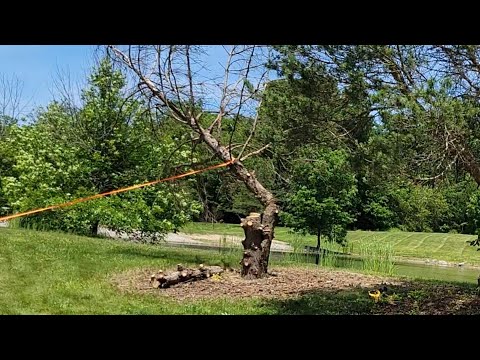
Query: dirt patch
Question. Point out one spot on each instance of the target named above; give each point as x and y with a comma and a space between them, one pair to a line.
319, 290
288, 282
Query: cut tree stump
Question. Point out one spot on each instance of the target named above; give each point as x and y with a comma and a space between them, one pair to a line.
160, 280
253, 264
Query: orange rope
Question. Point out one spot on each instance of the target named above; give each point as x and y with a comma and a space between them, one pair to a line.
133, 187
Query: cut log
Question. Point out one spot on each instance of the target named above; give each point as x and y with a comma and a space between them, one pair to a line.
162, 280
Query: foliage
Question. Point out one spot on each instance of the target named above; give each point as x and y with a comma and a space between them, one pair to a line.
106, 144
420, 208
322, 193
407, 134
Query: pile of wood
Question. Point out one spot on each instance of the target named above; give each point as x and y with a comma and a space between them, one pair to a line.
161, 280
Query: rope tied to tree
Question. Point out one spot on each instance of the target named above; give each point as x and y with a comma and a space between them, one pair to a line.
117, 191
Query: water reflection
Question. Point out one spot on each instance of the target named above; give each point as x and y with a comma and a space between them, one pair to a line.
422, 271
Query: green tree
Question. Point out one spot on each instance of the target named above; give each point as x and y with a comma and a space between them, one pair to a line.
312, 105
323, 191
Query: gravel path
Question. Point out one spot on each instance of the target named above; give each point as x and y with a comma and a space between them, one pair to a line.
193, 239
201, 240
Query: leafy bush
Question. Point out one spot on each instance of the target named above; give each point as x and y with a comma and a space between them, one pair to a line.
72, 153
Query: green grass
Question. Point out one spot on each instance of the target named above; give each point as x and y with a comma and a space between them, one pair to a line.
56, 273
447, 247
377, 257
214, 228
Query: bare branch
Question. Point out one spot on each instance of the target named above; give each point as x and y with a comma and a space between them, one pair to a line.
448, 167
11, 90
223, 98
177, 113
255, 152
190, 82
252, 132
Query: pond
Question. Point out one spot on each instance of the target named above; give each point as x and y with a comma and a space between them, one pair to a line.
415, 270
446, 273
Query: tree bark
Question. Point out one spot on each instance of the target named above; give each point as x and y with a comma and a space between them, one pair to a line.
256, 247
183, 275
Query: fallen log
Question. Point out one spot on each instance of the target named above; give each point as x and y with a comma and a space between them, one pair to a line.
160, 280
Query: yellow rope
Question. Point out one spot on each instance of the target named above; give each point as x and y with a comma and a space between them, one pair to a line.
133, 187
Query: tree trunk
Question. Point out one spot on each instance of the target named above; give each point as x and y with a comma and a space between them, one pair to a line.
94, 228
256, 246
260, 233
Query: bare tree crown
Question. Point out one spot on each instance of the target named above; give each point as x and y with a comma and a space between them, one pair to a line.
176, 79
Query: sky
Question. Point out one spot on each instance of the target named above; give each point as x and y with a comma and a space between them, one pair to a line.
38, 68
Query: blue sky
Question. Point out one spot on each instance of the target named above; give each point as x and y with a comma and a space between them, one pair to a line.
36, 66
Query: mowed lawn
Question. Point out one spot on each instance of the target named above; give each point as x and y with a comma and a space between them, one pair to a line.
438, 246
57, 273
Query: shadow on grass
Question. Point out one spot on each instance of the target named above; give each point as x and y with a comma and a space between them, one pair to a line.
410, 298
179, 255
323, 302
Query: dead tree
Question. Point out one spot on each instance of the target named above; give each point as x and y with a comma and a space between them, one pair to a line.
172, 79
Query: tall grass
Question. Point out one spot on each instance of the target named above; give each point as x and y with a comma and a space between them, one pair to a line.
328, 258
14, 223
33, 224
331, 253
298, 253
27, 224
377, 257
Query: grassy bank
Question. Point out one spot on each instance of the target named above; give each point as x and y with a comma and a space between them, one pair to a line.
55, 273
447, 247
